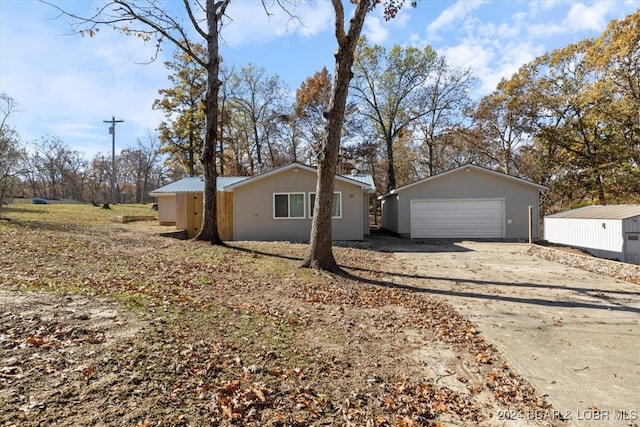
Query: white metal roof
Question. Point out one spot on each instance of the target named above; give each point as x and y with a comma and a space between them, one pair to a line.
196, 185
600, 212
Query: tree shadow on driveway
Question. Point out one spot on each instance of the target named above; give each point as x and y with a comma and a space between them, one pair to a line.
594, 293
397, 280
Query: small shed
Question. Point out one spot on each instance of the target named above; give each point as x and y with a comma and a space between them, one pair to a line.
606, 231
468, 202
180, 203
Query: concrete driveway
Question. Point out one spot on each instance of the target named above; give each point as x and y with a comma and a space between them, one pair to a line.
573, 334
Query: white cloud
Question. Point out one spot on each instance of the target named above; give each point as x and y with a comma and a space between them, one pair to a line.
538, 6
375, 30
66, 85
251, 24
378, 30
593, 18
451, 16
579, 19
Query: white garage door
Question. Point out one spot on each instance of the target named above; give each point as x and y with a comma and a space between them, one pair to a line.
457, 218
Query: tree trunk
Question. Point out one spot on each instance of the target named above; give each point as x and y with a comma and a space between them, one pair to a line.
209, 232
320, 251
391, 167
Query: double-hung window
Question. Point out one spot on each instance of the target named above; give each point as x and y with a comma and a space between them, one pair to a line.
336, 207
288, 205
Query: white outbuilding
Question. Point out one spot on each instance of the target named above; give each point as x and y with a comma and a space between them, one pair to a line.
606, 231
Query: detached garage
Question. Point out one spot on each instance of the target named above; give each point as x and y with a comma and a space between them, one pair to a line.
469, 202
606, 231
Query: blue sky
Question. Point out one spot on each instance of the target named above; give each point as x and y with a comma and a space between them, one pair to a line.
66, 85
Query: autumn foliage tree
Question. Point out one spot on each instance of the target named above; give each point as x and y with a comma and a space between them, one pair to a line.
181, 134
569, 120
312, 100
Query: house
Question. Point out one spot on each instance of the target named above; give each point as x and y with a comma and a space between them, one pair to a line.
275, 205
606, 231
468, 202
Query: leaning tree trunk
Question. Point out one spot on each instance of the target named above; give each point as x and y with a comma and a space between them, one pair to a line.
320, 252
209, 232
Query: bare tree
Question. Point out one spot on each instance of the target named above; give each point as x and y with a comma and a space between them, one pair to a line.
388, 88
446, 103
10, 151
135, 169
256, 96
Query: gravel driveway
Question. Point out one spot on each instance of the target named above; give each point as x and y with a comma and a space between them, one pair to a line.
574, 334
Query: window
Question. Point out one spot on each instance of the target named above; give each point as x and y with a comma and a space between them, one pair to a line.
336, 211
633, 237
288, 205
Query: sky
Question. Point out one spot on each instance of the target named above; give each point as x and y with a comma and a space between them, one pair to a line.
66, 85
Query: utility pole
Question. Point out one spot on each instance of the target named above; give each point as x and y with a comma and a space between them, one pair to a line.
112, 131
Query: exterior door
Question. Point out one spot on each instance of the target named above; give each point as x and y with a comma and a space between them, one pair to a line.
632, 249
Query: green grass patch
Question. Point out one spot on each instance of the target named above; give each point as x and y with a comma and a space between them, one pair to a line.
65, 215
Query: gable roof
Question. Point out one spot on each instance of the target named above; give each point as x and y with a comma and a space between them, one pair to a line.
462, 168
229, 183
363, 181
600, 212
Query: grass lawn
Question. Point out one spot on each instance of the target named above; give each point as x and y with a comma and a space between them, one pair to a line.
104, 323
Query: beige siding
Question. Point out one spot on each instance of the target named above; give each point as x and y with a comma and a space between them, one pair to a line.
253, 217
390, 213
472, 184
366, 202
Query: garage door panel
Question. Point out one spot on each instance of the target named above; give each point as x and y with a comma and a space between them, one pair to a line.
477, 218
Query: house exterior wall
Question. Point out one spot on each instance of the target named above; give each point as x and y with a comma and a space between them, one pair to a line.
603, 238
253, 216
366, 203
472, 184
167, 209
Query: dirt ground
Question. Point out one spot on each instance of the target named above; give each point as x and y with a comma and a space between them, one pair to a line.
120, 326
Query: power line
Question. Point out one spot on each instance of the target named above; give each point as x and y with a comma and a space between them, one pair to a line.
112, 131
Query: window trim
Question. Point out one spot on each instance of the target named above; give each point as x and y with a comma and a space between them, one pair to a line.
288, 194
311, 205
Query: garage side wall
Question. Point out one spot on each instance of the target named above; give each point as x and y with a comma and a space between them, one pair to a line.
474, 184
390, 213
600, 237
